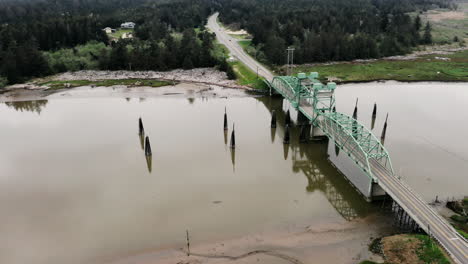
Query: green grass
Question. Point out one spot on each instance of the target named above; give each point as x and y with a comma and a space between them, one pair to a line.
426, 68
220, 51
463, 233
106, 83
444, 30
119, 32
245, 76
368, 262
429, 252
245, 43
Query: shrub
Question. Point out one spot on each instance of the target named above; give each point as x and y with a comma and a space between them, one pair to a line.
82, 57
3, 82
459, 218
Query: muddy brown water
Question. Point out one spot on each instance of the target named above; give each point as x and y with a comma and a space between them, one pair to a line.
76, 187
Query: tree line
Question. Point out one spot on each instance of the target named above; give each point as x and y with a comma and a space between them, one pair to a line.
40, 37
325, 30
43, 37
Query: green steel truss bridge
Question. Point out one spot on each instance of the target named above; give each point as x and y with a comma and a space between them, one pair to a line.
316, 101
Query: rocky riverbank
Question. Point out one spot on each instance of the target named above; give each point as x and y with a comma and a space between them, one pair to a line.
209, 76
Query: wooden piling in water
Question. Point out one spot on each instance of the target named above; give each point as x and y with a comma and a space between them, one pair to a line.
287, 119
384, 131
286, 135
141, 129
355, 109
273, 119
374, 112
225, 119
233, 138
148, 151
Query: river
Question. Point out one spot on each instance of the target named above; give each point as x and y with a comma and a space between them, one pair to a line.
75, 185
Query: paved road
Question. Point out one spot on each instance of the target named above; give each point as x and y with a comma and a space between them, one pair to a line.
235, 49
423, 214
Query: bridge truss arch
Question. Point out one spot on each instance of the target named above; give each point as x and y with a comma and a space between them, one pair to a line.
356, 140
349, 134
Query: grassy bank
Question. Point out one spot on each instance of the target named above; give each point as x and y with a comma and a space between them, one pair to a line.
453, 67
447, 24
245, 76
459, 220
408, 248
106, 83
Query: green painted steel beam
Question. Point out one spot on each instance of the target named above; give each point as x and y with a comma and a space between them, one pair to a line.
348, 133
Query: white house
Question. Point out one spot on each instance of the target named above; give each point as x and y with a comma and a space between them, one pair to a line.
128, 35
108, 30
127, 25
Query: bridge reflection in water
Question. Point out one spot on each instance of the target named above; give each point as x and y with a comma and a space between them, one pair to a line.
312, 160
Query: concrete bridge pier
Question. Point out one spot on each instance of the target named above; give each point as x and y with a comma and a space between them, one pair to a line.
316, 133
376, 193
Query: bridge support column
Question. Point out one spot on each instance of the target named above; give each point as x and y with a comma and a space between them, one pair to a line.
316, 133
376, 192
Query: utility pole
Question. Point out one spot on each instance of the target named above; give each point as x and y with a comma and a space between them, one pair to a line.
290, 60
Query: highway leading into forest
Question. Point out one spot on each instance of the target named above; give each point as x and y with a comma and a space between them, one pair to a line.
429, 220
235, 49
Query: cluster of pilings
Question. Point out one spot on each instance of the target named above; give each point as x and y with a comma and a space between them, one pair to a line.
403, 221
145, 144
374, 116
303, 123
232, 142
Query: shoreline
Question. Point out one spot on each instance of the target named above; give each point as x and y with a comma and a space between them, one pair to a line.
298, 244
400, 81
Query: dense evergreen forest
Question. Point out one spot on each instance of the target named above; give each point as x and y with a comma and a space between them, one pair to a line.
40, 37
324, 30
49, 36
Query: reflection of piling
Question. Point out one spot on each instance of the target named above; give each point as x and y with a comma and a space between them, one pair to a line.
141, 130
303, 134
233, 138
286, 135
287, 119
233, 159
148, 147
285, 151
225, 137
334, 109
225, 120
384, 131
337, 150
149, 162
273, 119
142, 140
355, 109
374, 112
273, 133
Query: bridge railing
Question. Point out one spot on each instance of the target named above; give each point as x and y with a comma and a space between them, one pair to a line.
287, 86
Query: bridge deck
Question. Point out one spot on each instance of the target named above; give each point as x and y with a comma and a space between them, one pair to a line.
429, 220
